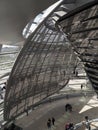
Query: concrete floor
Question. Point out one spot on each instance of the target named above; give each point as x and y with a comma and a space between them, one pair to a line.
82, 106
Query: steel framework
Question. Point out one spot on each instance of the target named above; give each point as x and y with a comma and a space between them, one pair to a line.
47, 61
42, 68
81, 27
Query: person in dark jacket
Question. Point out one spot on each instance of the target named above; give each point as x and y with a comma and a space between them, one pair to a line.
53, 120
49, 123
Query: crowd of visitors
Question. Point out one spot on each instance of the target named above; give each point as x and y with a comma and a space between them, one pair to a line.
50, 122
68, 126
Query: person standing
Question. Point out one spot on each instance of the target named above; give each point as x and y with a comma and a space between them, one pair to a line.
67, 126
53, 120
87, 123
49, 123
86, 118
81, 86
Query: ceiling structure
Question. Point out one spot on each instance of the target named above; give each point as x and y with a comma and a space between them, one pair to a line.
47, 60
15, 15
81, 28
60, 39
42, 68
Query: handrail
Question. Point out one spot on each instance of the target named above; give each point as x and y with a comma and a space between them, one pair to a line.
6, 53
78, 125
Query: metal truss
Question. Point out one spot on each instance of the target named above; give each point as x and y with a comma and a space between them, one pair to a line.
42, 68
81, 28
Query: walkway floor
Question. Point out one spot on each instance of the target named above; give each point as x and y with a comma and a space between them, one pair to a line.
37, 119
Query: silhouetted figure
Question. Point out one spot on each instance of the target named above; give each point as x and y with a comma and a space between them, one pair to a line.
4, 86
87, 123
86, 118
49, 123
71, 126
81, 86
76, 73
68, 107
67, 126
53, 120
